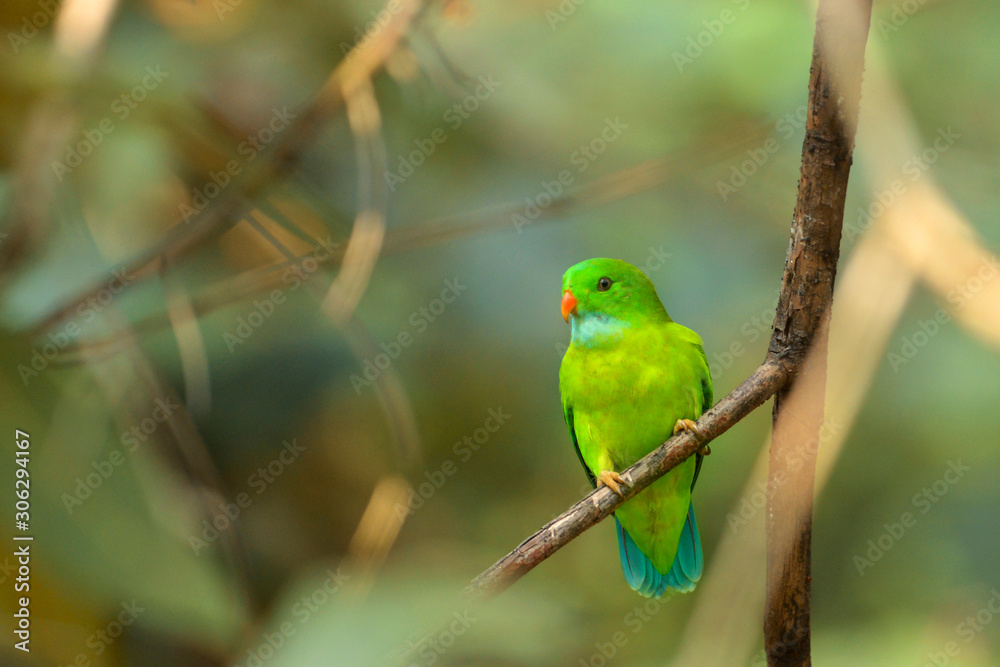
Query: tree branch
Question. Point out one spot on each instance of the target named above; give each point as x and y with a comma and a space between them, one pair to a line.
801, 322
806, 295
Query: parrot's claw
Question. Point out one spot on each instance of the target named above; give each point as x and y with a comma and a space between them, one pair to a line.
612, 480
690, 425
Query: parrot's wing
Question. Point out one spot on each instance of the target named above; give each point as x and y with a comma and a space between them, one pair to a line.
706, 385
697, 469
568, 415
706, 390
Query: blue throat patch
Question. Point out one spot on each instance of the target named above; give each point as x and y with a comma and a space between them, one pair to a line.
593, 330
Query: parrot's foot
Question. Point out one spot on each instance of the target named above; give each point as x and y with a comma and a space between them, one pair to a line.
612, 480
690, 425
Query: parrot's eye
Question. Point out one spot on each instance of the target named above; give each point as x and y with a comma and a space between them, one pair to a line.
604, 284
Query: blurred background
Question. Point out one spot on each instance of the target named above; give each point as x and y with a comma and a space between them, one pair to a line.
279, 289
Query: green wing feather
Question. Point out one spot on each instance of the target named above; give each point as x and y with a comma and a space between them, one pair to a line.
568, 416
707, 397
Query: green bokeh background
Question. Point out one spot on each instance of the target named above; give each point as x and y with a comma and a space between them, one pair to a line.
496, 347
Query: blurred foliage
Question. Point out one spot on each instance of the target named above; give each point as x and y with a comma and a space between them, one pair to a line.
559, 73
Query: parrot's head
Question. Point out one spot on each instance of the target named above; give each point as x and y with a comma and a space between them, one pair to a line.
610, 290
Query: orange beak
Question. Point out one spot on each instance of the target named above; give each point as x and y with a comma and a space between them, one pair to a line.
568, 304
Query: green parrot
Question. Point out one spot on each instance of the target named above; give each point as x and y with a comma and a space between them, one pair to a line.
631, 378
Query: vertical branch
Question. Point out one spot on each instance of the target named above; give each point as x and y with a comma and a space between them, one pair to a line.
801, 320
798, 418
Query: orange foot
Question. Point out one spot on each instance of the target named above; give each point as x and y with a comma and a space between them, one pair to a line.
612, 480
690, 425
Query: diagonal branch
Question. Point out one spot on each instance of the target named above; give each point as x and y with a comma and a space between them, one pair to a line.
806, 296
599, 504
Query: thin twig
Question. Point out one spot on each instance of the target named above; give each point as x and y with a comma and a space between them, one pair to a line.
365, 243
190, 344
361, 63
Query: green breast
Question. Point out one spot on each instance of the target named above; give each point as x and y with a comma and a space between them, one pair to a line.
626, 394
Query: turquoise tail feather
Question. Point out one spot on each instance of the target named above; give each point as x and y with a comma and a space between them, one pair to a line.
689, 562
643, 577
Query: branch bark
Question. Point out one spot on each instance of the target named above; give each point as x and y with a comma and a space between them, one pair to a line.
801, 322
806, 296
